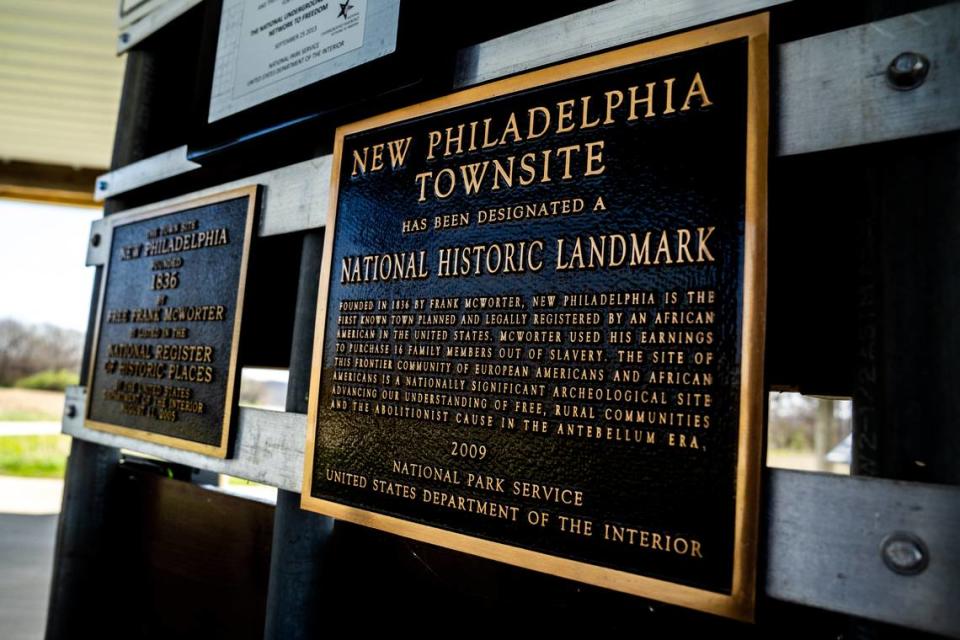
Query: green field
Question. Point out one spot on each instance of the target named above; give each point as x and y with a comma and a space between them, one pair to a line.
42, 456
27, 415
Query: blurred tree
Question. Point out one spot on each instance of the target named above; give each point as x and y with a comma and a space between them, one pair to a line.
26, 349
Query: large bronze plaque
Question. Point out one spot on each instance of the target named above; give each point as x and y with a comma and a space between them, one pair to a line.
168, 325
540, 331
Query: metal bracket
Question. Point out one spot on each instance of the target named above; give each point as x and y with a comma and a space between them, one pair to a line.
74, 408
129, 11
295, 197
143, 172
152, 22
98, 245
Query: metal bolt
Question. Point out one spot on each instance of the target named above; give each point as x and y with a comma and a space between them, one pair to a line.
95, 240
102, 185
907, 71
71, 411
904, 553
124, 38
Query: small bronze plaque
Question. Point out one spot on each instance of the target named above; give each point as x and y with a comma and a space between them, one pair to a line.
540, 334
168, 325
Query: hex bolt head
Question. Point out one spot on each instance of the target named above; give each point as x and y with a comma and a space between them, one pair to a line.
904, 553
907, 71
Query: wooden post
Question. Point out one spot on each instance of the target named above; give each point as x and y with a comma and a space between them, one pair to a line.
905, 401
82, 579
300, 538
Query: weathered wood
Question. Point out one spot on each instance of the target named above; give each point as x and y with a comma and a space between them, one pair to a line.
596, 29
268, 446
905, 405
143, 172
295, 606
824, 547
192, 561
80, 573
834, 91
294, 198
824, 531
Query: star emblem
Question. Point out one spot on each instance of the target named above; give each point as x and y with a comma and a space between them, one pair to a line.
344, 7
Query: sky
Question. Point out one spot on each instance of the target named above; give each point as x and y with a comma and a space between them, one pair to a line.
43, 249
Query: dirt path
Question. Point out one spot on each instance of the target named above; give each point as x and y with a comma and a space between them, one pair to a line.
49, 403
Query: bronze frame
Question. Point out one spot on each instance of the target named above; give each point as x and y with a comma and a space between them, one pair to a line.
741, 602
221, 450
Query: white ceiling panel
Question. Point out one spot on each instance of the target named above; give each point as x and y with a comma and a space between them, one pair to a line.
60, 81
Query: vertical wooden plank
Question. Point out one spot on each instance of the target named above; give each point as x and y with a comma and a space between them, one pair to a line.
192, 562
905, 403
83, 579
300, 539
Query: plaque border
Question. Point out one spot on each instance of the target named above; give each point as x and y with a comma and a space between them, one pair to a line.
740, 603
221, 450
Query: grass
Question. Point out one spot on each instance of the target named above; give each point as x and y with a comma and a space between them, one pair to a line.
34, 456
240, 482
27, 415
51, 380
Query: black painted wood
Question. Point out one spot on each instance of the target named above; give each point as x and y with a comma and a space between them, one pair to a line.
906, 407
295, 606
877, 221
83, 578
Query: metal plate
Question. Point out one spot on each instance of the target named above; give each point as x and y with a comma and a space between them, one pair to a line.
539, 335
268, 49
143, 172
163, 363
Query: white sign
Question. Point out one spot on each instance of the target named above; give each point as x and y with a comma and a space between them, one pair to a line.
268, 48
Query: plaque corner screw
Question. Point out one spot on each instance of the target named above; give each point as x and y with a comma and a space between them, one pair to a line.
904, 553
95, 240
102, 185
124, 38
71, 411
907, 71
